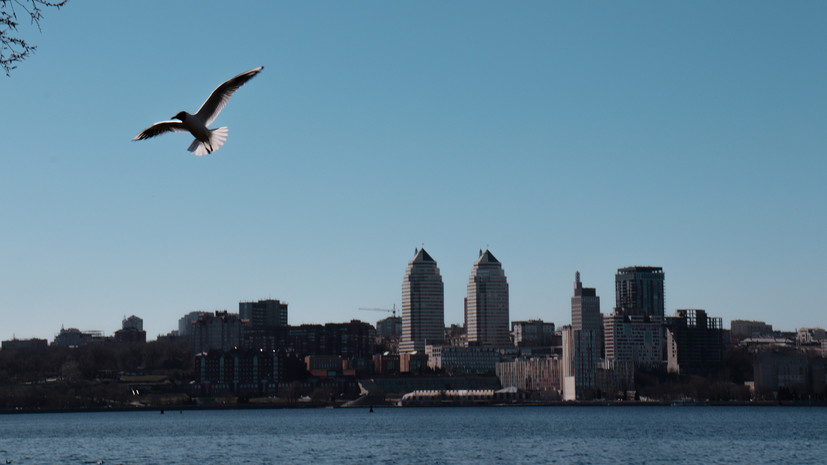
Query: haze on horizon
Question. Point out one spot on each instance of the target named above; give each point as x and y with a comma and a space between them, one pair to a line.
561, 136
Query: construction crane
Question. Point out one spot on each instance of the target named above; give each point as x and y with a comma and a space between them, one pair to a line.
388, 310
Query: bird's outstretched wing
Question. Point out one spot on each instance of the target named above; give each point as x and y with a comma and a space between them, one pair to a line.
221, 95
160, 128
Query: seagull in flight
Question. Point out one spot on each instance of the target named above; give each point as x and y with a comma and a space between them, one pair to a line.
206, 140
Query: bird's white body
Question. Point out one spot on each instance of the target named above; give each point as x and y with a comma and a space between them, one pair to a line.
206, 140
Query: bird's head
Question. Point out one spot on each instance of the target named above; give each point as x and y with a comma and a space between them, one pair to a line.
181, 115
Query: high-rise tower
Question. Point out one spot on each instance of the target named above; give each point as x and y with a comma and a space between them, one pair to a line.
423, 304
585, 307
585, 339
486, 306
639, 291
634, 332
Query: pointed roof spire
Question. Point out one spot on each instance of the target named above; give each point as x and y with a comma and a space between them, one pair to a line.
422, 256
487, 257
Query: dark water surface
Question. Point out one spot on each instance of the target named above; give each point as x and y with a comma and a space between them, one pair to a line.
502, 435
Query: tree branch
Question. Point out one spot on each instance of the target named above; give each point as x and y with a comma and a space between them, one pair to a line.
14, 49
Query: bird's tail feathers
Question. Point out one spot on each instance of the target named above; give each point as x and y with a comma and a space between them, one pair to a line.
217, 139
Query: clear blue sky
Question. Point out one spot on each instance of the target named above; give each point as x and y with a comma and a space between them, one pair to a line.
563, 135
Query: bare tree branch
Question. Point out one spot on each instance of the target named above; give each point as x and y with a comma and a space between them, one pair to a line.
14, 49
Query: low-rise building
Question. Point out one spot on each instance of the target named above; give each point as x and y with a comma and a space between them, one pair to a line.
130, 336
15, 343
530, 374
469, 360
73, 337
386, 363
808, 336
244, 372
742, 329
412, 362
460, 396
324, 365
788, 372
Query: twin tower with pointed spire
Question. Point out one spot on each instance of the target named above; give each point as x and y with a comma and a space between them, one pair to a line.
423, 304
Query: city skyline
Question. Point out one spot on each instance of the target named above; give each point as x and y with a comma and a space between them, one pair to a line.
561, 136
583, 302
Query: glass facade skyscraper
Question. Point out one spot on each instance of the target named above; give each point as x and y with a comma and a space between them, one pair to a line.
486, 306
586, 343
585, 308
634, 332
639, 291
423, 304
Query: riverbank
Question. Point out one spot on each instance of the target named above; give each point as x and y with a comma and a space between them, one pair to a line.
180, 409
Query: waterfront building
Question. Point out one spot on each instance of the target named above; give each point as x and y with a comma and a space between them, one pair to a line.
239, 371
614, 378
437, 397
585, 344
788, 372
386, 363
219, 331
390, 327
695, 342
530, 374
323, 366
413, 362
634, 338
743, 329
434, 353
755, 344
469, 360
567, 352
586, 358
353, 340
130, 336
810, 336
634, 332
639, 291
131, 332
270, 313
73, 337
486, 305
27, 344
264, 324
423, 304
185, 322
532, 333
133, 322
456, 335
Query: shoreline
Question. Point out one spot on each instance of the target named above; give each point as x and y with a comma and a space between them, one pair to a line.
171, 409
